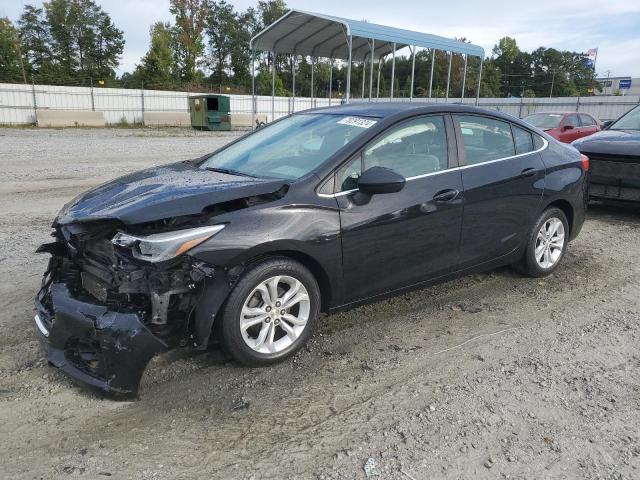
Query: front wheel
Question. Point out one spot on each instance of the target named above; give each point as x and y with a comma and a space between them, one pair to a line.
271, 312
547, 244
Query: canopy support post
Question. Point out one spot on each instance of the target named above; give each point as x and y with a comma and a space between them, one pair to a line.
373, 55
433, 61
413, 71
348, 93
464, 77
273, 87
330, 80
393, 69
312, 92
479, 80
253, 89
364, 73
293, 82
449, 77
378, 85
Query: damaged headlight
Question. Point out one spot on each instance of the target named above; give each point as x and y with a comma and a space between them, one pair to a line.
161, 247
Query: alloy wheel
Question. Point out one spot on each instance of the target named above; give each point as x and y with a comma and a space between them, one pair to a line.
549, 243
275, 314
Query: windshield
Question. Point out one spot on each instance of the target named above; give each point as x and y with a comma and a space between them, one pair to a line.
544, 120
290, 148
630, 121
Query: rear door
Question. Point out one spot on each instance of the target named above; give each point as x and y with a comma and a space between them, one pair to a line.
503, 179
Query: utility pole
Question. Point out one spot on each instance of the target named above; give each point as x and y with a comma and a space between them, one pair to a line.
553, 78
607, 84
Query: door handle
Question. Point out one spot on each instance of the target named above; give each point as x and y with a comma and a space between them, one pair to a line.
529, 172
446, 195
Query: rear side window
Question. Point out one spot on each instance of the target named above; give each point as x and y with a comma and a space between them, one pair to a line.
485, 139
572, 120
538, 142
522, 139
587, 121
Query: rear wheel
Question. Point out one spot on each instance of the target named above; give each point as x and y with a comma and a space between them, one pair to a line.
547, 244
271, 312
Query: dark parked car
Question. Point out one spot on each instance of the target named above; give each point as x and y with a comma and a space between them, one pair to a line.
565, 126
320, 211
615, 159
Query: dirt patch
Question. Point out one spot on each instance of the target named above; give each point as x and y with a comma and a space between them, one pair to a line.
486, 376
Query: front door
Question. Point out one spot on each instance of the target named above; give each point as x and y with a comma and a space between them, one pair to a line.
503, 177
399, 239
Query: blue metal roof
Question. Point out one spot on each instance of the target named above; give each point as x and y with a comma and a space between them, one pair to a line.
308, 33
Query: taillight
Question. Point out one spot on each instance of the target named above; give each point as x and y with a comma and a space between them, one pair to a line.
585, 162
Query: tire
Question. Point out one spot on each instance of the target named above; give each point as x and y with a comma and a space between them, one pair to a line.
547, 260
251, 308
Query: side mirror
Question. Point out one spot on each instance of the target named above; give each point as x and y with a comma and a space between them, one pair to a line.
607, 123
567, 127
378, 180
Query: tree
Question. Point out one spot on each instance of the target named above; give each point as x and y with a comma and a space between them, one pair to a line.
35, 40
156, 69
248, 26
70, 41
271, 10
222, 23
109, 44
10, 62
263, 84
190, 18
60, 20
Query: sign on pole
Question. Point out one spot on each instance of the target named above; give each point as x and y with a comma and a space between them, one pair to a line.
625, 84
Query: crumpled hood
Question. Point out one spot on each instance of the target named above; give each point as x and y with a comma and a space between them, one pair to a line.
611, 142
161, 192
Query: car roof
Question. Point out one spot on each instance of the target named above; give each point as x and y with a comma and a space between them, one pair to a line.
560, 112
393, 109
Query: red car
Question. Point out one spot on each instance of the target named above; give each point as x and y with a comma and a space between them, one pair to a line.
565, 126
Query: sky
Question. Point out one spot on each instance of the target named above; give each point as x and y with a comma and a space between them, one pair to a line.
613, 26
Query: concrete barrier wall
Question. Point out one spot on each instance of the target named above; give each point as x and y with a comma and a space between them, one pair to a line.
69, 118
167, 119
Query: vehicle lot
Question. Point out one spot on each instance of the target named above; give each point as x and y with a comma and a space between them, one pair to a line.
489, 375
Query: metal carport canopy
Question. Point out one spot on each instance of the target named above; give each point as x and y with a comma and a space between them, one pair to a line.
317, 35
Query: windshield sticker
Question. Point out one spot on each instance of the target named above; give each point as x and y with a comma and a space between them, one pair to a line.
358, 122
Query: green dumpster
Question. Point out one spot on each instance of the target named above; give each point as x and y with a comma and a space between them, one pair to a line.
210, 112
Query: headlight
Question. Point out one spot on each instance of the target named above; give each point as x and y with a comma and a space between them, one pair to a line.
161, 247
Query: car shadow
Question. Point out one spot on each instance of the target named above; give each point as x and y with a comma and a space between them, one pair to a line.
614, 212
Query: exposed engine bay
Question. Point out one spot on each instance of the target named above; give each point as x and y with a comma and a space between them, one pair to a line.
94, 269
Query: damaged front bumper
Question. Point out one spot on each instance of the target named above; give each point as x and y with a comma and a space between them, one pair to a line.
105, 349
103, 315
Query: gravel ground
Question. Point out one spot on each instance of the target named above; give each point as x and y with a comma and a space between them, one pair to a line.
488, 376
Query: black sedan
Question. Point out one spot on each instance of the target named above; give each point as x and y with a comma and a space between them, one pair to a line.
615, 159
320, 211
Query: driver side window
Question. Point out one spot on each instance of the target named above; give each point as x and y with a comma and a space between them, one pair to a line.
415, 147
